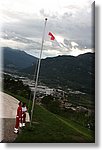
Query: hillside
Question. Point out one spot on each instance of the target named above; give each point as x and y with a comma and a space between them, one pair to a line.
48, 127
77, 73
17, 59
68, 72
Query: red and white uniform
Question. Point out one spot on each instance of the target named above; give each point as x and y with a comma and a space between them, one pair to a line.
18, 117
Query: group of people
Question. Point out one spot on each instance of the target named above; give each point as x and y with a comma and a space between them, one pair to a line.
20, 117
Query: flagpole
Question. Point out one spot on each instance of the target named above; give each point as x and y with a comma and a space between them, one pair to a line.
36, 82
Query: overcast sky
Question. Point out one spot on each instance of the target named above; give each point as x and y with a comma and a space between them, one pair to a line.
69, 20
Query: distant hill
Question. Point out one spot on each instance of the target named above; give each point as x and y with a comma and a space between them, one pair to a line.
17, 59
77, 73
68, 72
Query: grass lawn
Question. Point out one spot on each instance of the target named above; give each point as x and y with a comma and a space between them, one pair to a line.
48, 127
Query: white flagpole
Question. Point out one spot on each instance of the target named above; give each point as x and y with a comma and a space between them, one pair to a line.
36, 82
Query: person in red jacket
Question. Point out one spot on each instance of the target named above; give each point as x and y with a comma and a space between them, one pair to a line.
18, 118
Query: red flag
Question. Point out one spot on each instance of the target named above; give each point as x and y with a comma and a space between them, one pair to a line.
52, 36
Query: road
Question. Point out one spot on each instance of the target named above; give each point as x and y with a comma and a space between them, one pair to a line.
8, 108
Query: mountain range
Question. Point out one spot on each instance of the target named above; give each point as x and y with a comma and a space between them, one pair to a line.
77, 73
17, 59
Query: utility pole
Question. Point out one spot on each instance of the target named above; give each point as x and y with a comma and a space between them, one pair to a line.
39, 63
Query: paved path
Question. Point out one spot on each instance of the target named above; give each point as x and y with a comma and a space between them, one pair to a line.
8, 108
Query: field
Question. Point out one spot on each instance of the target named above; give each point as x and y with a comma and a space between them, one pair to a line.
48, 127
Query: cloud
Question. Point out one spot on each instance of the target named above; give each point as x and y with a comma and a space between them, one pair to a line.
60, 46
23, 25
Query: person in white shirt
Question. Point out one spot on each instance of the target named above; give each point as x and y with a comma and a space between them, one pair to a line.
24, 110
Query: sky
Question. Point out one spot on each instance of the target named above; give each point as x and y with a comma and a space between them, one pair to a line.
70, 21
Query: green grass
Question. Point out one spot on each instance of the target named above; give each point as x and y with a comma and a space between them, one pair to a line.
48, 127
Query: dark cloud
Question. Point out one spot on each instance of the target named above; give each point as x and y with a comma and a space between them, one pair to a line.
25, 27
74, 24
